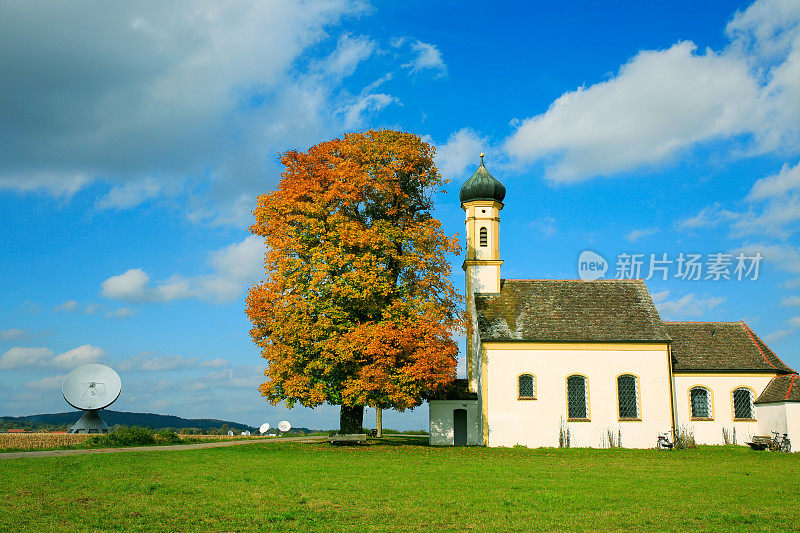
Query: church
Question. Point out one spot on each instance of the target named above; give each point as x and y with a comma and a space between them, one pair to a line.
591, 364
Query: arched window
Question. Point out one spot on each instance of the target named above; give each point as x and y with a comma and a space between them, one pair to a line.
743, 404
628, 397
577, 398
527, 387
484, 237
700, 399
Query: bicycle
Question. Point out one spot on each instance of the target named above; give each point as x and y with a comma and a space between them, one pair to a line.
663, 442
780, 443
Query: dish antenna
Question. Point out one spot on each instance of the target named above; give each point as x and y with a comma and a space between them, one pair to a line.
264, 428
284, 426
91, 388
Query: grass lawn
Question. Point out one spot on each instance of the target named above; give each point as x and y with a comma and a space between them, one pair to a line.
402, 485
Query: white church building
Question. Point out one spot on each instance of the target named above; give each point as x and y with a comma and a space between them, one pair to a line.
592, 363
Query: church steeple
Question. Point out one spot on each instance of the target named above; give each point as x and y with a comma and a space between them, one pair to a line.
481, 199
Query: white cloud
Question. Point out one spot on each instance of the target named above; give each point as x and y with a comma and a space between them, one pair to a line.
19, 356
459, 154
211, 91
350, 52
69, 305
427, 57
787, 180
122, 312
147, 362
235, 266
14, 334
356, 112
791, 301
775, 205
79, 356
662, 102
689, 305
130, 194
638, 234
131, 285
783, 256
46, 384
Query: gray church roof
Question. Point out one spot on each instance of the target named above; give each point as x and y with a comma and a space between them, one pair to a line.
721, 346
784, 388
482, 186
569, 311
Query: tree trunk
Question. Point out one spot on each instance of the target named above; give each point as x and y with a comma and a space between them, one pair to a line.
351, 419
379, 421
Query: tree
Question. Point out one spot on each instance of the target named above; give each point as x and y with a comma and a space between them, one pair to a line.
357, 308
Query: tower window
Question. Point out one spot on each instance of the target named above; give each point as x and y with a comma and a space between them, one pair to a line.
484, 240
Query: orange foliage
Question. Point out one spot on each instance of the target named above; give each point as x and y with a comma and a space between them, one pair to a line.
358, 307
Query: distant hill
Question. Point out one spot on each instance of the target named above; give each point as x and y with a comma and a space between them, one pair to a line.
127, 419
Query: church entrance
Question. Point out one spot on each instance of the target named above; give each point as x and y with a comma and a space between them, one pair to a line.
459, 427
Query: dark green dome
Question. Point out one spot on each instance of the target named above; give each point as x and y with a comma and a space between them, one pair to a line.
482, 186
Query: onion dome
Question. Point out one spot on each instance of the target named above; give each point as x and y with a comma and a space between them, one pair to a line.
482, 186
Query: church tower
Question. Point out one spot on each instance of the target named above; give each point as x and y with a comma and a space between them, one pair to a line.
481, 199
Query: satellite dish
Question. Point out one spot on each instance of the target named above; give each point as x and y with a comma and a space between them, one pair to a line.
284, 426
89, 388
264, 428
230, 432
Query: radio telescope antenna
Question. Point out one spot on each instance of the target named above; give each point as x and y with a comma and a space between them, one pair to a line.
91, 388
264, 428
284, 426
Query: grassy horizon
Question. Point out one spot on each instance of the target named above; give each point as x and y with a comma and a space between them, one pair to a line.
400, 484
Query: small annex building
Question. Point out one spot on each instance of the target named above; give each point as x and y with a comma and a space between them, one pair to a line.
591, 363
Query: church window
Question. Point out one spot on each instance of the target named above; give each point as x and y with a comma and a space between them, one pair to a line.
484, 237
743, 404
700, 399
628, 397
527, 387
577, 398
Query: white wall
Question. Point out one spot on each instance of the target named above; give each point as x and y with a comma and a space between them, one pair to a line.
793, 424
771, 417
721, 387
441, 429
536, 423
783, 417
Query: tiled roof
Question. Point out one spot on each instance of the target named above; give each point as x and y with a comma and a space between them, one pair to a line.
569, 311
784, 388
720, 346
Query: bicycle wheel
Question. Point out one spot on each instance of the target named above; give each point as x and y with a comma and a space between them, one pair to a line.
786, 446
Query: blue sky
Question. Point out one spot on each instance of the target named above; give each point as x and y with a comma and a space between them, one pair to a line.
134, 139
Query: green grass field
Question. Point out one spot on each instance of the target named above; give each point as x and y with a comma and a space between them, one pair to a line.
401, 485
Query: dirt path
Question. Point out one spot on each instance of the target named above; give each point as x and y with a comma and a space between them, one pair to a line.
167, 448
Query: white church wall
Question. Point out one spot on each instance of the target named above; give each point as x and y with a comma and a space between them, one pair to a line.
441, 431
793, 423
721, 387
772, 417
536, 423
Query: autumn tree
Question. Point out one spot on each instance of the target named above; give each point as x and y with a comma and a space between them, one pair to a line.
358, 308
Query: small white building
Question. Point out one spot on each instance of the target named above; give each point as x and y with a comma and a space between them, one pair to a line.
591, 363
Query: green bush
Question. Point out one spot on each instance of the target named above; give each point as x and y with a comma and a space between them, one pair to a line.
124, 436
168, 437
